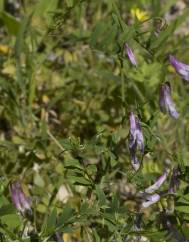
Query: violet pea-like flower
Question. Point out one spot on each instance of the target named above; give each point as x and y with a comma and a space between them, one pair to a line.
157, 184
148, 200
165, 101
19, 199
136, 140
181, 68
130, 55
151, 200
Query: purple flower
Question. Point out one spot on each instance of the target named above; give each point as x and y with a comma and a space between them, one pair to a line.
151, 200
19, 199
157, 184
165, 101
130, 55
148, 200
136, 140
180, 67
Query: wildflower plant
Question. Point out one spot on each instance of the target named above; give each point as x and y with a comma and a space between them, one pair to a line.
94, 142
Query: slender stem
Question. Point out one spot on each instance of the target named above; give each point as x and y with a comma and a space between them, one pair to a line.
55, 140
122, 87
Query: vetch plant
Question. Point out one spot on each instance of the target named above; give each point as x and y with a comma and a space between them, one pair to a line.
130, 55
157, 184
136, 141
19, 199
165, 101
181, 68
150, 199
65, 121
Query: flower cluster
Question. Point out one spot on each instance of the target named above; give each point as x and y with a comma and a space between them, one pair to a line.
151, 199
150, 194
136, 138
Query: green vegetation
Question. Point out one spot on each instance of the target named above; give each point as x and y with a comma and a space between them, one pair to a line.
67, 88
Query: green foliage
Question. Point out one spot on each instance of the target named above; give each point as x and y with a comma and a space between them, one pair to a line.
66, 90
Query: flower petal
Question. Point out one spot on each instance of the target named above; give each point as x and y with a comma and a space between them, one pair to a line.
180, 67
19, 199
15, 197
136, 140
151, 200
130, 55
157, 184
165, 101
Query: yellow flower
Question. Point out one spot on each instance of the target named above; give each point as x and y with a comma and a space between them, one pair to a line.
139, 14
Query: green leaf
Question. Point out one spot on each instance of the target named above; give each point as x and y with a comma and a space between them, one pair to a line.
79, 180
12, 24
19, 44
167, 33
86, 210
11, 220
104, 35
98, 31
1, 5
183, 209
38, 180
96, 236
70, 3
66, 217
45, 7
51, 222
73, 164
101, 196
155, 235
7, 209
91, 169
184, 199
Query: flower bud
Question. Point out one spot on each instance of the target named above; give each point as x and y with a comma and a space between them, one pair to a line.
165, 101
151, 200
181, 68
130, 55
19, 199
136, 141
157, 184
